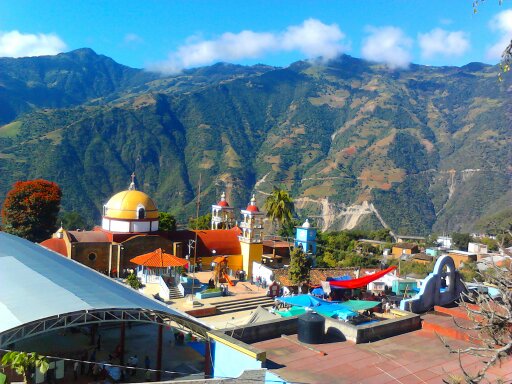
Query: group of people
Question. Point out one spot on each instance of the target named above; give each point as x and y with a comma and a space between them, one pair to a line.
260, 282
102, 370
224, 289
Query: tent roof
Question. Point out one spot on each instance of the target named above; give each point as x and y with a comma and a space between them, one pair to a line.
38, 284
159, 259
328, 307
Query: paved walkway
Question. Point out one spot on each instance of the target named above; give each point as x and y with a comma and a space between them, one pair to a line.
416, 357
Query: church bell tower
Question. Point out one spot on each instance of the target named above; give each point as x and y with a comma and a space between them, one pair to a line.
251, 239
223, 216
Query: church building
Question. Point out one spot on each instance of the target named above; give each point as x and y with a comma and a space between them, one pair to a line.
129, 228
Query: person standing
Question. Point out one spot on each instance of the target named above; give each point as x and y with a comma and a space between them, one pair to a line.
135, 362
147, 362
83, 365
76, 369
98, 344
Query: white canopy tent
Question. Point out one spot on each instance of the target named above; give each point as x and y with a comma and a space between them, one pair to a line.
43, 291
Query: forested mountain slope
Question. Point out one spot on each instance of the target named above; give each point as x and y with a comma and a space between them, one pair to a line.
422, 149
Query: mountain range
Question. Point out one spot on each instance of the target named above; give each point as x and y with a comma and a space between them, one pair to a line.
358, 145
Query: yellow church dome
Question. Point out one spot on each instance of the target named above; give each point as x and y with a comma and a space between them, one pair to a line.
132, 205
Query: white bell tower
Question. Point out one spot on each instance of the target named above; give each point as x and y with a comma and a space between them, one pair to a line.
223, 216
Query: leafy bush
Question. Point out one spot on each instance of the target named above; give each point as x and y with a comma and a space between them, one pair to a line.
133, 281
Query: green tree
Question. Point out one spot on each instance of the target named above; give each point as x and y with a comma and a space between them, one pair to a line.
279, 206
167, 222
461, 241
288, 228
30, 209
133, 281
72, 220
202, 222
23, 363
299, 267
506, 56
327, 260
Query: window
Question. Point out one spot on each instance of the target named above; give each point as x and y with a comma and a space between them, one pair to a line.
141, 213
92, 256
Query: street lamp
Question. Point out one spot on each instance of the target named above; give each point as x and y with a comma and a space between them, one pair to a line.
214, 252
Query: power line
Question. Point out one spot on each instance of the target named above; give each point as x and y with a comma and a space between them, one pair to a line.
156, 370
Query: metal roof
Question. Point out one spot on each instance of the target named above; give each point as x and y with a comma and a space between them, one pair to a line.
38, 284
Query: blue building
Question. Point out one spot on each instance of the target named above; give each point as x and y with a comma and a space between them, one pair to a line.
305, 236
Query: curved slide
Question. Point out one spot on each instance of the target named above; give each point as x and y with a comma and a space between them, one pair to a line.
225, 275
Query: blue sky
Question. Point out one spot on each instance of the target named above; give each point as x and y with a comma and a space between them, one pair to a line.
171, 35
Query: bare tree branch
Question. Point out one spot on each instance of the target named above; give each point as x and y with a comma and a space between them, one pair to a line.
491, 319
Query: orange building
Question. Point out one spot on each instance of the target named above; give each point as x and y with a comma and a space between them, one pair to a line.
462, 257
400, 249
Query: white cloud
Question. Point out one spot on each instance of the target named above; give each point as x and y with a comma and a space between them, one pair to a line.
388, 45
16, 44
133, 38
441, 42
312, 38
502, 23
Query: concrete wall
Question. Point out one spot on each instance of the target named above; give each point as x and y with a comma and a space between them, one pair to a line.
265, 330
247, 377
228, 362
81, 251
259, 269
139, 245
373, 331
272, 329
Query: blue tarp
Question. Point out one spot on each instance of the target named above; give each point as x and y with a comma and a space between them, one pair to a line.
329, 308
339, 278
335, 310
318, 291
198, 346
302, 300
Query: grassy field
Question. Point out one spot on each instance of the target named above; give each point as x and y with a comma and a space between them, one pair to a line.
11, 129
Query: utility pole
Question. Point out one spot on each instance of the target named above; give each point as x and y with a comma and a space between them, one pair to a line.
198, 203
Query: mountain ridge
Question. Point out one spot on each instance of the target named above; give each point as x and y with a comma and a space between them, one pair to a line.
342, 134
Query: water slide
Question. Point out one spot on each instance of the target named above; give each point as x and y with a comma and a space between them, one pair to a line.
225, 275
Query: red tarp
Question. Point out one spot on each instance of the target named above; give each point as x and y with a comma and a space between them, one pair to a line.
362, 281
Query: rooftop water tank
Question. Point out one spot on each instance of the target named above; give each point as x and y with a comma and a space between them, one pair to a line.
311, 328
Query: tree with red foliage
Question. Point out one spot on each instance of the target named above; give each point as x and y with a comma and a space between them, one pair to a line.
30, 209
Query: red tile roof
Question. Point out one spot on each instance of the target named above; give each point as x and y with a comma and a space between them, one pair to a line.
277, 244
252, 208
57, 245
159, 259
88, 237
223, 241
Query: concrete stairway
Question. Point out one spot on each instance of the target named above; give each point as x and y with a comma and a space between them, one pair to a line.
443, 321
174, 293
243, 304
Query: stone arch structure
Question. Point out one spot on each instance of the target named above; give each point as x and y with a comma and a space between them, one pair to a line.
441, 287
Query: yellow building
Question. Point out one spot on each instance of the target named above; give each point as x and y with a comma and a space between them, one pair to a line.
129, 228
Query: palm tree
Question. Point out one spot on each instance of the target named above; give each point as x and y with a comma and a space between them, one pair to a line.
279, 206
